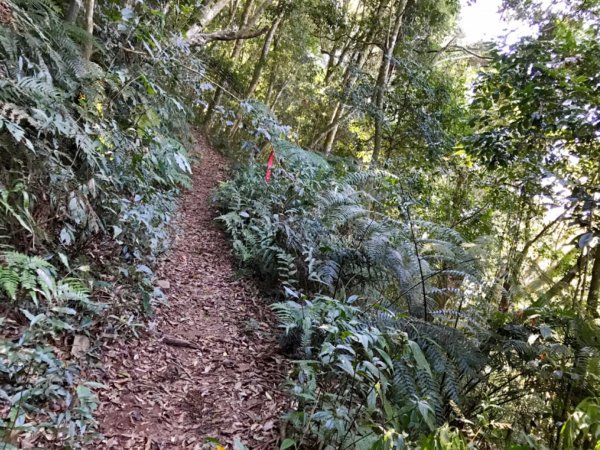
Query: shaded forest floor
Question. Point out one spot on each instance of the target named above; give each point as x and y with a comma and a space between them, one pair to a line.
210, 365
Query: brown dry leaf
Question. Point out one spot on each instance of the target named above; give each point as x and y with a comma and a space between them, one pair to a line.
164, 284
81, 345
148, 445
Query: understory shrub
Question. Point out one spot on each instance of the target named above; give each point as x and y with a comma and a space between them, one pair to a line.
389, 317
93, 155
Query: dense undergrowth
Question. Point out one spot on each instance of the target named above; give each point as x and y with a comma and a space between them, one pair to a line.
391, 318
93, 155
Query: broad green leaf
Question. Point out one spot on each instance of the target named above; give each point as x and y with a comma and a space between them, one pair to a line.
287, 443
419, 356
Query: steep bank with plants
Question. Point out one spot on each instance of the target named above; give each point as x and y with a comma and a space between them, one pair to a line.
395, 322
93, 156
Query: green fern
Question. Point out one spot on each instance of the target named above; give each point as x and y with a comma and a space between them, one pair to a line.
9, 282
21, 273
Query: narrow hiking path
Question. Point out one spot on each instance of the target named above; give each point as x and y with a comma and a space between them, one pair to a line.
210, 365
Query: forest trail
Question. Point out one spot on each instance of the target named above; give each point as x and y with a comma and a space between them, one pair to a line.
227, 382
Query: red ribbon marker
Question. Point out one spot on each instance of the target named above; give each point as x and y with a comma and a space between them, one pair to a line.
270, 166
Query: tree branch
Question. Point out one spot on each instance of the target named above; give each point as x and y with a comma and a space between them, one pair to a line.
459, 48
198, 39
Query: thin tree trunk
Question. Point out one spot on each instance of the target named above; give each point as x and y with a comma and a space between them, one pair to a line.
382, 80
235, 53
210, 12
564, 282
272, 75
360, 55
349, 79
89, 27
278, 95
73, 11
258, 13
233, 6
344, 52
548, 275
200, 39
515, 268
260, 65
332, 135
594, 292
330, 63
332, 125
237, 48
258, 68
212, 106
270, 86
197, 37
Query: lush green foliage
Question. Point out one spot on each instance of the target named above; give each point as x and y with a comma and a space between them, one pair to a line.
505, 318
42, 391
92, 158
393, 318
448, 301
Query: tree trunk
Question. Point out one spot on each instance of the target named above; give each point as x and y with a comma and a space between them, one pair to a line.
233, 6
210, 12
197, 37
547, 276
330, 63
270, 86
278, 95
226, 35
194, 34
349, 78
382, 80
594, 292
252, 21
515, 267
258, 68
212, 105
260, 65
235, 53
564, 282
237, 48
359, 56
332, 126
73, 11
89, 27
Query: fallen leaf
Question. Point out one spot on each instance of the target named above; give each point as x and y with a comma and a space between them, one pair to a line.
163, 284
81, 345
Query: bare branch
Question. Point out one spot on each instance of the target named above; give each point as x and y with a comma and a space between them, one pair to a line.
199, 39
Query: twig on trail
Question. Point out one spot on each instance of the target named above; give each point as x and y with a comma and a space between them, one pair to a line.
176, 342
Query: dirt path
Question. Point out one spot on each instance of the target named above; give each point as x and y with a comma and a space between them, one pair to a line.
164, 396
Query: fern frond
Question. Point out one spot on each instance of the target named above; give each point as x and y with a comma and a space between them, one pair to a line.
9, 282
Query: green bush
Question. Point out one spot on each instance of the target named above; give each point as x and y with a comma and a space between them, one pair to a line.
93, 157
390, 318
381, 306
